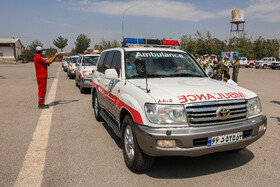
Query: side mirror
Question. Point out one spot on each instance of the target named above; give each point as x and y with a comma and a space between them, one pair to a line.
111, 74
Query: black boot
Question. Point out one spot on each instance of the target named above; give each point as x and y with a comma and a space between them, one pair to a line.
43, 106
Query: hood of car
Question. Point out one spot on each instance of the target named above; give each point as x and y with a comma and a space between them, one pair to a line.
88, 68
187, 90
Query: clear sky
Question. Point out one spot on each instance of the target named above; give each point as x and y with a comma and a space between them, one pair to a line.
44, 20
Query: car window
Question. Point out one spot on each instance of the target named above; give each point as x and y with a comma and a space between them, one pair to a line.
100, 66
74, 60
90, 60
108, 62
116, 63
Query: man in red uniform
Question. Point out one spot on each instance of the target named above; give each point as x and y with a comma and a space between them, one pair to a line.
42, 74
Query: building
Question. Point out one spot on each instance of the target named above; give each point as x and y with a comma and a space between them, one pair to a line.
10, 48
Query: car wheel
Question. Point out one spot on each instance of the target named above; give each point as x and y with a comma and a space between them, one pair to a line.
96, 107
82, 90
76, 82
135, 159
250, 65
264, 66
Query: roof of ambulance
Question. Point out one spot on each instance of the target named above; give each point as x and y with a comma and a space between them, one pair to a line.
146, 49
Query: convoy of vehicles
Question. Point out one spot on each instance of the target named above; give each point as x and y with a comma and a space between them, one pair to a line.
83, 73
265, 62
160, 102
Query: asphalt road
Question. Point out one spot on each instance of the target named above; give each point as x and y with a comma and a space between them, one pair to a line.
84, 152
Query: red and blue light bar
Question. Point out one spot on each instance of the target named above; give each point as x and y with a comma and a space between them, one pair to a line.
150, 42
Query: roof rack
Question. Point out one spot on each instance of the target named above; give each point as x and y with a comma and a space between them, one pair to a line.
139, 42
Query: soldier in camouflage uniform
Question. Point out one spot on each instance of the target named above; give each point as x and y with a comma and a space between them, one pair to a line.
205, 62
220, 69
198, 59
235, 67
226, 65
212, 64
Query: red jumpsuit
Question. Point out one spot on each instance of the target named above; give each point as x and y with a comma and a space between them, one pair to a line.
41, 74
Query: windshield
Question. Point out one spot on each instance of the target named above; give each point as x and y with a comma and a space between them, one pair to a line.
90, 60
74, 60
264, 59
162, 64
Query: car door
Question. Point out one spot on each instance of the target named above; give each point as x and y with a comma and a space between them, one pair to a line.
98, 78
114, 85
108, 99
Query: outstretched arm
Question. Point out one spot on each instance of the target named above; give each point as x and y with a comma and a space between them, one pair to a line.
50, 60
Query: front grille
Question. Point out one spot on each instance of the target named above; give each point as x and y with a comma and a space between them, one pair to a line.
207, 113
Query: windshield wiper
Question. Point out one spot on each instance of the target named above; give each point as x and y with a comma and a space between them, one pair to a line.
184, 75
136, 76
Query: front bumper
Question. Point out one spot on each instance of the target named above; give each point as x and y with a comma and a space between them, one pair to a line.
85, 82
72, 72
189, 141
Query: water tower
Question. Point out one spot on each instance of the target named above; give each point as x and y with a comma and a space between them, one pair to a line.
237, 23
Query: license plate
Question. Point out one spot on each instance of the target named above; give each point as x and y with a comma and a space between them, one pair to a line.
216, 140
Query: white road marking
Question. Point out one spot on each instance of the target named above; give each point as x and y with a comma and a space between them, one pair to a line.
31, 173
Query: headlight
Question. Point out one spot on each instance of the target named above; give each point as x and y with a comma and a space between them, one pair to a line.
85, 73
254, 107
165, 114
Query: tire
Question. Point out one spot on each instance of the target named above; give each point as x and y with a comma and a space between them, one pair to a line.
76, 83
264, 66
246, 66
135, 159
96, 107
250, 65
82, 90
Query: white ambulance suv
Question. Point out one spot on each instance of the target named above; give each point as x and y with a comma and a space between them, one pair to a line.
160, 102
84, 68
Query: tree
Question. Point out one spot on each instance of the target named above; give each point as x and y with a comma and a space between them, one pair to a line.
82, 43
29, 52
60, 42
107, 44
50, 52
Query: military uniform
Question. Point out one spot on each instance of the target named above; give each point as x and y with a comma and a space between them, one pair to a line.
220, 69
205, 63
212, 65
226, 66
235, 72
